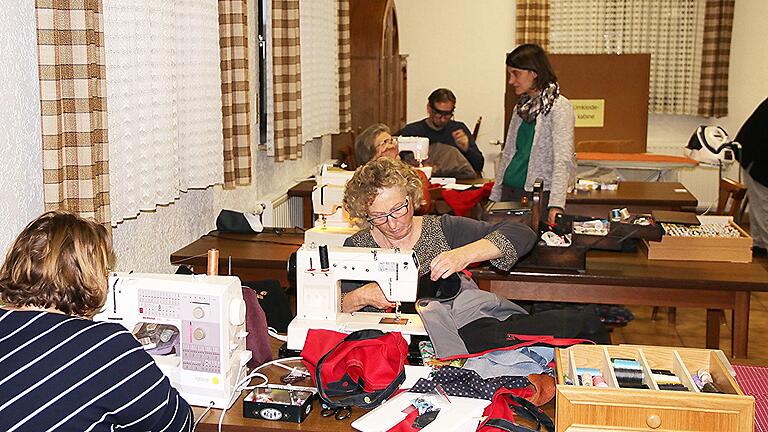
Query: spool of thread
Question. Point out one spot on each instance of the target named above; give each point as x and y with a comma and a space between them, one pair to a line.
591, 371
624, 213
697, 381
213, 262
615, 215
704, 376
710, 388
623, 363
324, 266
598, 381
586, 380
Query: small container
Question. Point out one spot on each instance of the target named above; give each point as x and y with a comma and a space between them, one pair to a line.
274, 404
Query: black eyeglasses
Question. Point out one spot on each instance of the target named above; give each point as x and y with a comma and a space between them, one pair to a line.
440, 113
394, 214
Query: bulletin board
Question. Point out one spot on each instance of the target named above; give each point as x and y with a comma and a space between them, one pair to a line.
620, 82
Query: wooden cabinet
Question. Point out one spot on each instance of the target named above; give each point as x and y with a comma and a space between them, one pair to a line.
378, 70
590, 408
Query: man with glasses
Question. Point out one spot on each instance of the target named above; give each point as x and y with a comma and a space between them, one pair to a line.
440, 128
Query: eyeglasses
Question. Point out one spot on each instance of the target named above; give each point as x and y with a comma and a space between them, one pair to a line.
387, 142
394, 214
440, 113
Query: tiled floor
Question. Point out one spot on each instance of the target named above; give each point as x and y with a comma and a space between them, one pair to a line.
690, 328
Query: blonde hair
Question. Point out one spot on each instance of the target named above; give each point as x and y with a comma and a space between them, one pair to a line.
60, 261
365, 185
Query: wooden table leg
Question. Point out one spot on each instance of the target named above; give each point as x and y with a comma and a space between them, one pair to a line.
306, 205
713, 328
740, 329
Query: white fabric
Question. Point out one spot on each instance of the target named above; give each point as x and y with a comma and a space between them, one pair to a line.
319, 68
670, 30
163, 101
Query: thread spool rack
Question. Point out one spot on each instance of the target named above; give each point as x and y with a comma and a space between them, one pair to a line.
617, 408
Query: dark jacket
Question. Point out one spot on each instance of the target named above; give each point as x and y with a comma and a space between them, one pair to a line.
753, 137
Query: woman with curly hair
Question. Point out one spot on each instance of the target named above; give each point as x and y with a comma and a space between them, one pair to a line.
381, 196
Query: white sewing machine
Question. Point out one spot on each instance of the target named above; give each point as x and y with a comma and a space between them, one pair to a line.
209, 313
333, 226
418, 145
318, 290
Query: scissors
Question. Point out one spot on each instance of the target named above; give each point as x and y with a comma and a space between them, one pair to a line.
339, 413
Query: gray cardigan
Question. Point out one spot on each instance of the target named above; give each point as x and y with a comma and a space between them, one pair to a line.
552, 153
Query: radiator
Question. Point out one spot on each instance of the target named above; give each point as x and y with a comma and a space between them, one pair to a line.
282, 211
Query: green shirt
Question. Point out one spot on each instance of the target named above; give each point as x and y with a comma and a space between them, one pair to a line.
517, 170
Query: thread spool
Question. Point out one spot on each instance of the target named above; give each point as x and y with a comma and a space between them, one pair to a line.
615, 215
624, 213
324, 265
704, 376
586, 380
598, 381
213, 262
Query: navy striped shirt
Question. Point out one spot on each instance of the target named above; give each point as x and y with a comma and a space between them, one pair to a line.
63, 373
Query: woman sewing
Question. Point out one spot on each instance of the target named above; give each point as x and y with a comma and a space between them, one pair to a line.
539, 140
375, 142
59, 370
381, 196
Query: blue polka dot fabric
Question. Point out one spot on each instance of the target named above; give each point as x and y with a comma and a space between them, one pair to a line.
467, 383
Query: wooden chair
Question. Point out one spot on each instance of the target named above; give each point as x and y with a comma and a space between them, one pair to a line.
731, 198
730, 203
476, 130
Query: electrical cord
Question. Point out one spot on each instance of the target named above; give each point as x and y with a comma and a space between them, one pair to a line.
273, 332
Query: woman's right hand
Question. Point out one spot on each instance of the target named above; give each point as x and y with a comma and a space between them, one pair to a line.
369, 294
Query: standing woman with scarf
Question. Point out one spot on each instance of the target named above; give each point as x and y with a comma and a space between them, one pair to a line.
539, 140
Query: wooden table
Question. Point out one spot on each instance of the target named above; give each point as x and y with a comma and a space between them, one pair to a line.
235, 422
637, 197
610, 278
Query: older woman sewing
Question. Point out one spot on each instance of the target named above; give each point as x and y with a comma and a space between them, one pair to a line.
58, 369
382, 194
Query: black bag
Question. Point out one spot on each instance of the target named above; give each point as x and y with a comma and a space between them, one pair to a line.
237, 222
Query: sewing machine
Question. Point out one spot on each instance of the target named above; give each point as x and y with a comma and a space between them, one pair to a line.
208, 315
418, 145
333, 226
319, 271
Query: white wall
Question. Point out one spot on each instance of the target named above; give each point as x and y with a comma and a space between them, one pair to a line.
21, 194
461, 45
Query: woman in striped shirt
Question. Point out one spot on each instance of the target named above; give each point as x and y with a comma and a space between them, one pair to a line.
58, 369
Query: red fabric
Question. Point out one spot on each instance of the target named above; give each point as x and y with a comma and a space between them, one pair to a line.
461, 202
426, 206
376, 361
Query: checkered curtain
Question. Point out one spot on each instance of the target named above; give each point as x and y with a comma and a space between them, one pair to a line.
235, 107
713, 90
286, 59
74, 114
532, 22
345, 68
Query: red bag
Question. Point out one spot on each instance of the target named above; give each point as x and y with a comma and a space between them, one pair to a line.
503, 408
362, 368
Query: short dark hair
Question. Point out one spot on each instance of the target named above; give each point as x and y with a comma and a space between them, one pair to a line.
533, 58
441, 95
59, 261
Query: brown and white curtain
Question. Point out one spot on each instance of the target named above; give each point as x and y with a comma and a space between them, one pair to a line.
689, 43
532, 22
716, 53
164, 90
235, 92
286, 75
345, 67
73, 106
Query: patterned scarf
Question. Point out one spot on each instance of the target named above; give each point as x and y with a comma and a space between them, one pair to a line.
528, 108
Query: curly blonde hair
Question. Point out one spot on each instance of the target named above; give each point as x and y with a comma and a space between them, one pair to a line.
60, 261
365, 185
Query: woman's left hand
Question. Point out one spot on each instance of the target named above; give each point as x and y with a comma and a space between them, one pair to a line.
448, 263
553, 212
